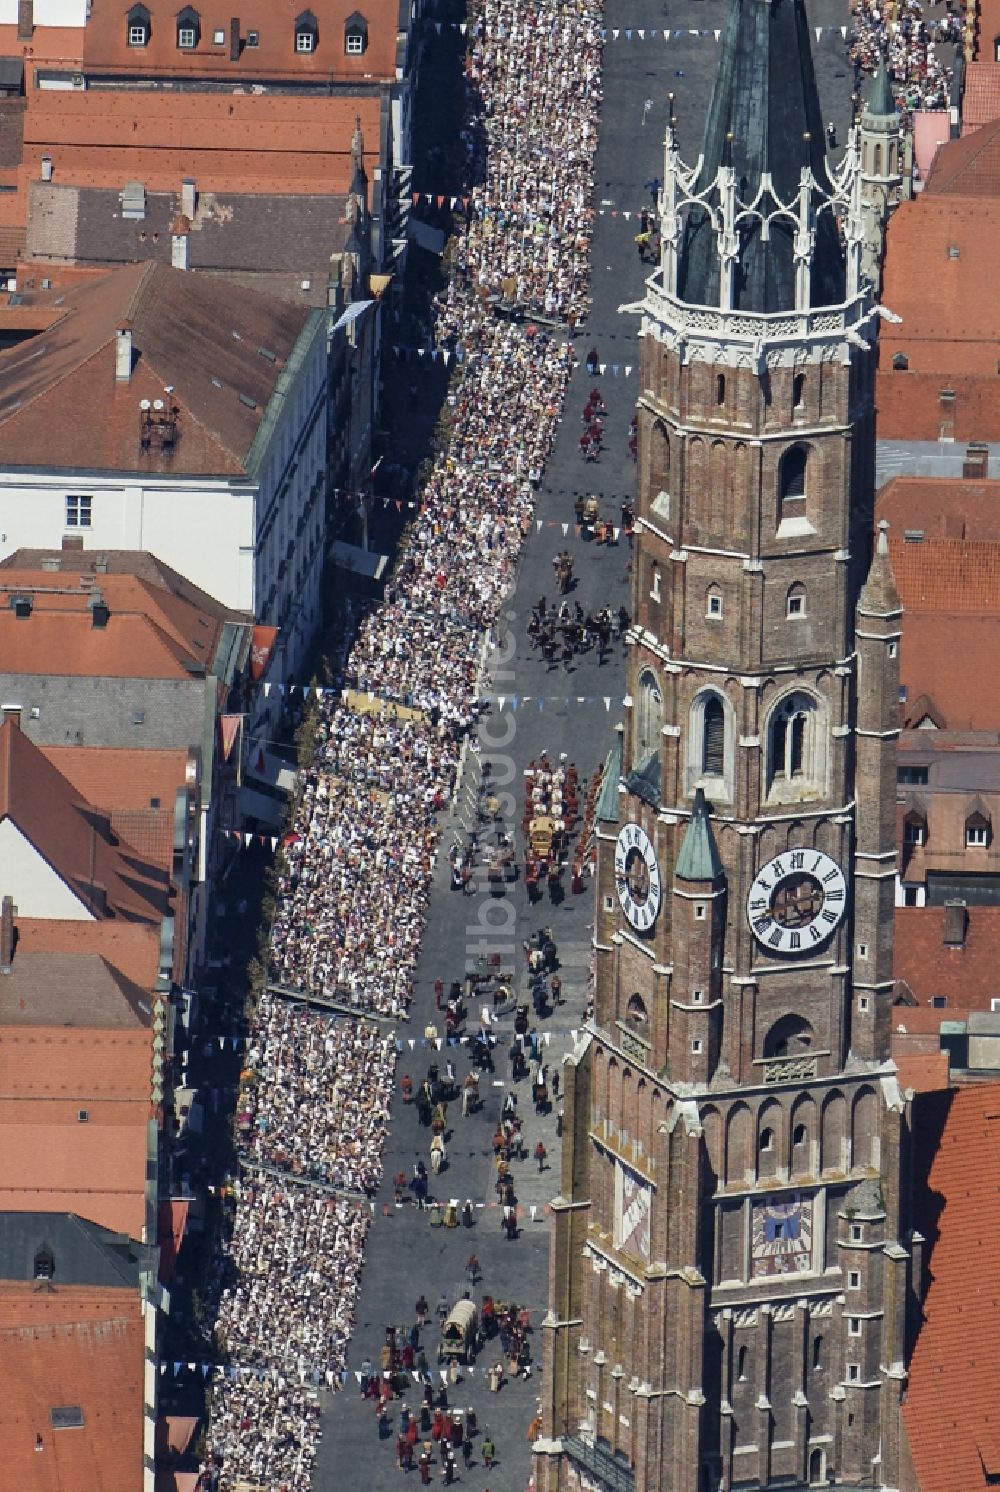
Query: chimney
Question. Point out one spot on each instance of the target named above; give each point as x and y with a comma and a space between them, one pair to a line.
123, 353
189, 197
235, 45
72, 541
179, 231
956, 922
46, 168
25, 20
13, 714
6, 935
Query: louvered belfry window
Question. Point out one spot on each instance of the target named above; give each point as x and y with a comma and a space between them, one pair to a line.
713, 756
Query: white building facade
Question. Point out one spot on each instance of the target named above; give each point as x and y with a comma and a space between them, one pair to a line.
254, 540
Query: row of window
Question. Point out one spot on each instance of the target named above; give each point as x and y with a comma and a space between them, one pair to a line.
139, 29
798, 390
978, 831
793, 471
853, 1330
795, 599
794, 735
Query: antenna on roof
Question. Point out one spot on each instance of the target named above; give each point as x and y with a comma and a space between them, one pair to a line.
157, 425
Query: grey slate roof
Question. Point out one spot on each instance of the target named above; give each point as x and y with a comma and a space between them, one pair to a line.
70, 989
83, 1252
764, 102
644, 780
698, 859
228, 231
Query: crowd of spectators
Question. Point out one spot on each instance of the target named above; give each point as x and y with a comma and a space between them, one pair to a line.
315, 1101
917, 38
355, 872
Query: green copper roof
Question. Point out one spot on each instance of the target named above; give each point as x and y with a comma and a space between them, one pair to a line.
698, 859
607, 798
881, 104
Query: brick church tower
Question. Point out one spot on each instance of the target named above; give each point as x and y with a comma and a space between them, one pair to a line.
730, 1270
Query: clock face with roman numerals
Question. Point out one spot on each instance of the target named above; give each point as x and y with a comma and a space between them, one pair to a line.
796, 901
637, 877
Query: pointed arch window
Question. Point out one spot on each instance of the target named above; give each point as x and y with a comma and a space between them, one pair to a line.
792, 475
649, 717
636, 1013
711, 735
713, 740
796, 748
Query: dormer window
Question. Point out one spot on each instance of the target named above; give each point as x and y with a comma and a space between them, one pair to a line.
188, 29
137, 26
355, 35
977, 832
914, 830
45, 1264
306, 32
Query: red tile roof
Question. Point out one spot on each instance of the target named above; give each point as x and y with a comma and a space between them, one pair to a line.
153, 622
980, 95
124, 783
71, 1346
947, 575
950, 1415
107, 876
106, 46
947, 659
908, 405
969, 166
198, 334
131, 947
49, 1160
969, 975
987, 28
937, 507
282, 143
924, 1072
936, 292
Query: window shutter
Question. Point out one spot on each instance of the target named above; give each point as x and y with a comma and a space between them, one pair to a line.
714, 752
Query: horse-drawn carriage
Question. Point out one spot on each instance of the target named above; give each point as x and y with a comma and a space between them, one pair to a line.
546, 837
